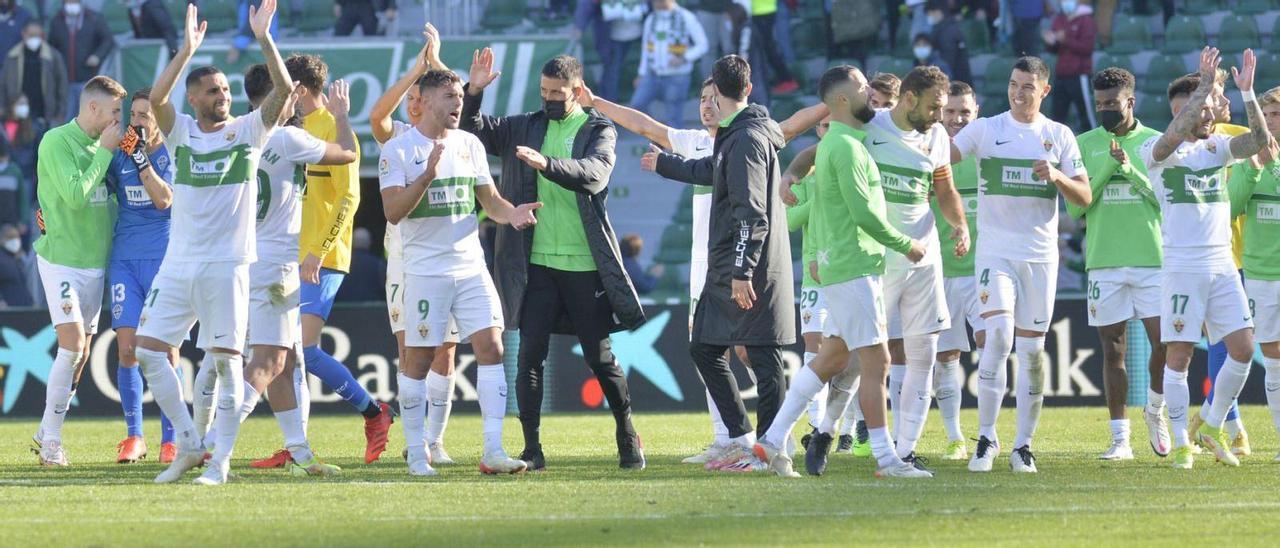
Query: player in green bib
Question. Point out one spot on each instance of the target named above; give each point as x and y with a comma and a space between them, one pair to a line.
1255, 192
1122, 254
72, 255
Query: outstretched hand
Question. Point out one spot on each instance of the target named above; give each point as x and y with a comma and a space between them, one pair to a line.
1244, 75
339, 97
194, 30
649, 162
260, 18
482, 73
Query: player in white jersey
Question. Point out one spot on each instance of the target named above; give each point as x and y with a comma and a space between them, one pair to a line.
694, 144
205, 274
1200, 286
1024, 161
431, 178
913, 153
439, 386
274, 323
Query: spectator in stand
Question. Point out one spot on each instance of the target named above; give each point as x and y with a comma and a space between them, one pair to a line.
644, 280
924, 53
673, 40
617, 26
35, 75
84, 40
151, 19
853, 28
366, 281
15, 196
244, 37
884, 90
14, 291
763, 13
716, 23
364, 13
13, 18
919, 20
1026, 16
948, 40
1072, 38
893, 12
20, 134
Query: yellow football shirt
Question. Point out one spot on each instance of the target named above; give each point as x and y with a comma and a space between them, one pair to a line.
1237, 224
329, 201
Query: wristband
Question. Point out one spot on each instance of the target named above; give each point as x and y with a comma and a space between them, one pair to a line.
1248, 96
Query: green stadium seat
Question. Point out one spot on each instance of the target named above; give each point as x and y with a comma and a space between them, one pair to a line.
1200, 7
500, 14
1237, 33
895, 65
995, 79
222, 15
117, 16
1162, 70
684, 212
1184, 34
976, 37
1267, 79
672, 283
1108, 60
676, 245
1254, 7
1153, 111
1129, 35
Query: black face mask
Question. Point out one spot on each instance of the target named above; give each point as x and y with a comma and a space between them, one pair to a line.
1111, 120
555, 110
865, 114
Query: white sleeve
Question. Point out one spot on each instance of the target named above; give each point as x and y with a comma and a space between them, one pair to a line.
181, 133
940, 148
252, 130
480, 161
682, 141
302, 148
969, 140
1147, 153
1223, 149
390, 167
1069, 161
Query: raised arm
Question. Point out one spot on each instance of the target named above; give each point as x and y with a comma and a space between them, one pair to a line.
494, 131
802, 120
345, 150
192, 37
380, 115
281, 84
1187, 118
633, 120
1251, 143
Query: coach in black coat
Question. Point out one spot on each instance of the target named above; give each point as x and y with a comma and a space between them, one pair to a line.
749, 248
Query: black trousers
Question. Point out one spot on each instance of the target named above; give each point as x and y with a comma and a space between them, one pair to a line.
1026, 36
580, 295
763, 27
766, 363
356, 14
1068, 92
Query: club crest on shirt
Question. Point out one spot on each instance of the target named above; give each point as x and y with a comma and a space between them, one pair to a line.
983, 296
66, 306
1178, 324
1048, 145
423, 330
117, 311
1211, 146
384, 166
142, 320
231, 136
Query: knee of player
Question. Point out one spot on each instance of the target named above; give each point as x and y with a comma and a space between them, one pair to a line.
487, 356
948, 356
603, 354
127, 353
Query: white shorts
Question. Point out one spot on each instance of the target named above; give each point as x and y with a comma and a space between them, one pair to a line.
1264, 306
855, 312
395, 301
1025, 288
216, 294
1122, 294
1191, 299
698, 254
962, 304
274, 318
73, 294
915, 302
813, 310
471, 302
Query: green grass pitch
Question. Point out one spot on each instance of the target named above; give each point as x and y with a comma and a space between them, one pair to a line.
583, 498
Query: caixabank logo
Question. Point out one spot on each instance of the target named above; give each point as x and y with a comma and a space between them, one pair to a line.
24, 358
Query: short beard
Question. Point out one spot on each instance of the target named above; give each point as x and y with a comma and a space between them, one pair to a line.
865, 114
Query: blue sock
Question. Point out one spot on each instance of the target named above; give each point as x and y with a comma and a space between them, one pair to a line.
1217, 357
166, 427
129, 380
337, 378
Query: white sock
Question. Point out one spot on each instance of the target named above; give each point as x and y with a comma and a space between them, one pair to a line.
718, 429
804, 385
882, 448
1272, 387
840, 393
230, 371
1120, 430
413, 412
896, 373
1226, 388
251, 397
163, 381
948, 383
302, 393
818, 407
1155, 401
491, 383
917, 385
1178, 397
1030, 389
203, 393
439, 403
295, 439
747, 440
992, 372
57, 394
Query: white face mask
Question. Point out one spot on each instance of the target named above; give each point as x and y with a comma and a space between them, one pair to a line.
13, 245
935, 18
922, 52
1069, 8
21, 111
34, 42
72, 9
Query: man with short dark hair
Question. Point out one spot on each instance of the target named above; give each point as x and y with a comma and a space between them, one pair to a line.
748, 298
884, 90
1122, 254
948, 39
565, 276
